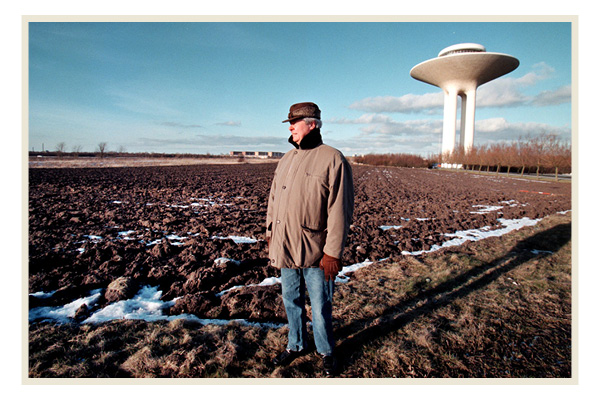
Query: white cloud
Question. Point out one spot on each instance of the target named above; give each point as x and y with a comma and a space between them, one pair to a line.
379, 123
502, 92
491, 125
179, 125
541, 71
500, 130
214, 141
363, 119
230, 123
142, 103
553, 97
409, 103
381, 133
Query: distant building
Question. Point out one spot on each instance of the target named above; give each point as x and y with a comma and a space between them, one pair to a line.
256, 154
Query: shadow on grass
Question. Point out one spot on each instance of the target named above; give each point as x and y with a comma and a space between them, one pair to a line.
398, 316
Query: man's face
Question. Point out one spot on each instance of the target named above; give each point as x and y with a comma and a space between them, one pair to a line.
300, 129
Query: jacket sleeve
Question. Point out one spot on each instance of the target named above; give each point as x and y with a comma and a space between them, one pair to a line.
340, 207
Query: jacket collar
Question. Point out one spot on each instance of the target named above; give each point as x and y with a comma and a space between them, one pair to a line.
310, 141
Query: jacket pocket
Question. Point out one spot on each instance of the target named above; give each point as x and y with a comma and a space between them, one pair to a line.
313, 232
315, 193
311, 248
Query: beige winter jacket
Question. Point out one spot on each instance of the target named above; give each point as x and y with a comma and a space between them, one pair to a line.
310, 205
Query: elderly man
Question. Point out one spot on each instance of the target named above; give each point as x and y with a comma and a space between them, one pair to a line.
309, 213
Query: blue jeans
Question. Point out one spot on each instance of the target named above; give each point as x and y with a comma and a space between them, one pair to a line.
294, 282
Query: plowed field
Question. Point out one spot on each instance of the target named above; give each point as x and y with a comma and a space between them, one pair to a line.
196, 232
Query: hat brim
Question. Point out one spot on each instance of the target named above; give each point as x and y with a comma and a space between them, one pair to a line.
292, 119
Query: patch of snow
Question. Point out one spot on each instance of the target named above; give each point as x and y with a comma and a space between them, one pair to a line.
485, 209
388, 227
342, 278
224, 260
93, 237
176, 237
43, 295
125, 234
270, 281
510, 203
536, 252
66, 312
145, 305
474, 235
236, 239
266, 282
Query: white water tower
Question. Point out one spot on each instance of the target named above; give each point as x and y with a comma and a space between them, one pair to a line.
458, 70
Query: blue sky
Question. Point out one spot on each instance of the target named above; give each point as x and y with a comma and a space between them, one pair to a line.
210, 87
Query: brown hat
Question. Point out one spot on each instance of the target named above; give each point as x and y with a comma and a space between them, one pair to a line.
303, 110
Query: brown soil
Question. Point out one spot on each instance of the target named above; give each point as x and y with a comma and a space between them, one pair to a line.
117, 229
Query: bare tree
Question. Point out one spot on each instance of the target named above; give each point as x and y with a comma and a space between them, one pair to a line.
447, 157
496, 155
480, 156
470, 158
524, 154
102, 146
457, 157
76, 150
565, 159
511, 156
558, 155
60, 148
539, 147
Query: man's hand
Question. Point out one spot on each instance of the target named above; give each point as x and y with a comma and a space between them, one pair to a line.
330, 266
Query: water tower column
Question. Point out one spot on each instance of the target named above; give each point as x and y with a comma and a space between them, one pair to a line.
463, 112
468, 120
449, 130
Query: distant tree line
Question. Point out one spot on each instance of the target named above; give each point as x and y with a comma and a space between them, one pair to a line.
540, 154
107, 154
102, 151
393, 160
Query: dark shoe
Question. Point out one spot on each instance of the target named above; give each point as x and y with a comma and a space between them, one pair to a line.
287, 357
329, 365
